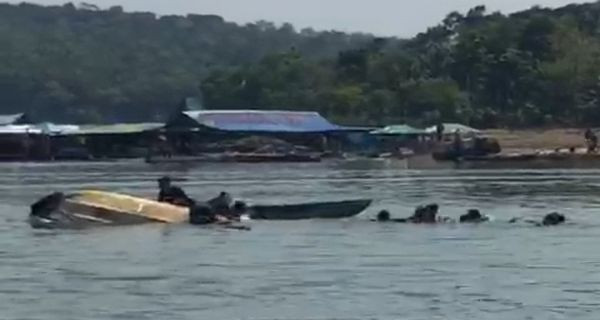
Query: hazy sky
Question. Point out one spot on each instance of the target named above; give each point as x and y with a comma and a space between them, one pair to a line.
382, 17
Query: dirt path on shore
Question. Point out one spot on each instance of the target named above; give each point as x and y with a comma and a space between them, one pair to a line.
535, 139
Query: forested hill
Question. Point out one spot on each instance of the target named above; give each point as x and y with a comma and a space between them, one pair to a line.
534, 68
78, 63
538, 67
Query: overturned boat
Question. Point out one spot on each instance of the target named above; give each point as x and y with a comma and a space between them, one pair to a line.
97, 208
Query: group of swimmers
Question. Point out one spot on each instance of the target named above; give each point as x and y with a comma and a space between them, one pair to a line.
429, 215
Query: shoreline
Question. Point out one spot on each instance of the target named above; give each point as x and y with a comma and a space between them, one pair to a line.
530, 140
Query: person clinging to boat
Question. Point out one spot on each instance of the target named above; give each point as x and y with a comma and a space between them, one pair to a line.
215, 211
173, 194
199, 214
591, 140
224, 206
222, 203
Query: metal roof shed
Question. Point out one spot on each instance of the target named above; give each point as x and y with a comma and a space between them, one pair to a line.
257, 121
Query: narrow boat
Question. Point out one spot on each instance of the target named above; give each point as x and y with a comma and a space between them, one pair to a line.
322, 210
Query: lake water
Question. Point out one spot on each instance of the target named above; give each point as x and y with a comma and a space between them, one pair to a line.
351, 269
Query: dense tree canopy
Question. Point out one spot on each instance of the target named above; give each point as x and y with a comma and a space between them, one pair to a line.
533, 68
68, 63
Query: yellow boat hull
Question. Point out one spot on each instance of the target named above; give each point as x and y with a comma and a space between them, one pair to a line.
120, 209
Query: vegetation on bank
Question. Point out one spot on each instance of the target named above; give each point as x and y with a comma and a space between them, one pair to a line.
81, 64
533, 68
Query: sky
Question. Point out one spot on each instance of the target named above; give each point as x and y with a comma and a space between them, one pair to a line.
400, 18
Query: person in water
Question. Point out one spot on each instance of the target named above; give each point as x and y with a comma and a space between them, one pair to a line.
552, 219
47, 205
423, 215
239, 209
172, 194
385, 216
202, 214
427, 214
473, 216
221, 203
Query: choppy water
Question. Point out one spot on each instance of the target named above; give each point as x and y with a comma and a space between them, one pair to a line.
349, 269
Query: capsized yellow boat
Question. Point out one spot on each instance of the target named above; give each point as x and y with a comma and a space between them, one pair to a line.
115, 206
92, 208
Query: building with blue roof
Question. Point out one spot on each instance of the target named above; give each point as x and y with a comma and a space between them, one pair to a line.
253, 121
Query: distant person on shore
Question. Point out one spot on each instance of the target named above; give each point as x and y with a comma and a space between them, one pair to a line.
591, 140
457, 145
439, 130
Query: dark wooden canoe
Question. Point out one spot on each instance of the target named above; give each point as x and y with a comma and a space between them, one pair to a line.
323, 210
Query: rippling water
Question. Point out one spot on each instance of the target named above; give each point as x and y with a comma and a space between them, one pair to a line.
349, 269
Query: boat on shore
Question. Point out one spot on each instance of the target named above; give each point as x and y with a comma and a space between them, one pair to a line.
317, 210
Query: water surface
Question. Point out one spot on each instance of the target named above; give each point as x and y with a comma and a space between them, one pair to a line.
350, 269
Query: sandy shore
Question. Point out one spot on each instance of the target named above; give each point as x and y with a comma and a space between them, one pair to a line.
532, 139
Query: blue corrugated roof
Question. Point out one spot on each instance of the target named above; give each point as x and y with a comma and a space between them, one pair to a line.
262, 121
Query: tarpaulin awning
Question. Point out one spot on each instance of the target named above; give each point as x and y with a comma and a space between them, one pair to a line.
119, 128
44, 128
262, 121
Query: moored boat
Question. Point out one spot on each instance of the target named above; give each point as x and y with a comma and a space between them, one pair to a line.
318, 210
